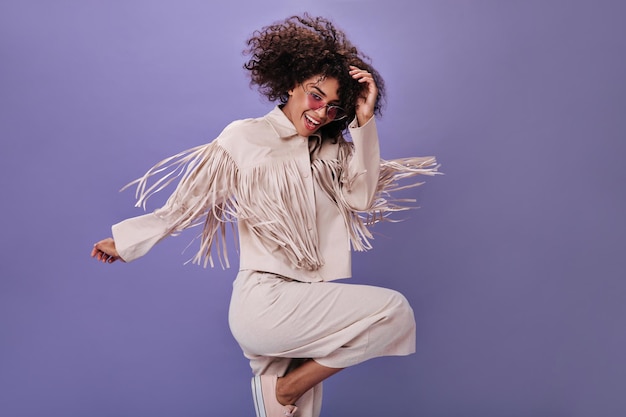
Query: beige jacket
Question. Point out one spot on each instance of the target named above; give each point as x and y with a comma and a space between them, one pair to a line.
300, 203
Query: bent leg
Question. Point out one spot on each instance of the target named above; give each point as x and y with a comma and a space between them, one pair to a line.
336, 324
291, 387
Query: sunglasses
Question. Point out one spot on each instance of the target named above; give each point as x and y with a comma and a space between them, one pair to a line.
316, 102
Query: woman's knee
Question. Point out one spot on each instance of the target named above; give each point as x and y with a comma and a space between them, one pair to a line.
402, 311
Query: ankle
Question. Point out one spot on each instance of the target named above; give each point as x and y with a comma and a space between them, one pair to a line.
283, 395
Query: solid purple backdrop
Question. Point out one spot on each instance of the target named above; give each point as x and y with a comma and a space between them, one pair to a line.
514, 263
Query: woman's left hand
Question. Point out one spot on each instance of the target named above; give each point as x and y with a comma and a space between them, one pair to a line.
365, 104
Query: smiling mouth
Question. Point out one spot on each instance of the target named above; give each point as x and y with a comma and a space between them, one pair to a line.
311, 123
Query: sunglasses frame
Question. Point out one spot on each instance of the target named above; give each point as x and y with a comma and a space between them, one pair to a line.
314, 99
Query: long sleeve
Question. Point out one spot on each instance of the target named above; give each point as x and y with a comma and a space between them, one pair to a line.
134, 237
361, 178
204, 195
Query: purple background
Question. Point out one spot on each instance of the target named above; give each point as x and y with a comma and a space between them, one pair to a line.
514, 263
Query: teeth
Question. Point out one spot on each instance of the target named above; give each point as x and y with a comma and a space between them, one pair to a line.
311, 120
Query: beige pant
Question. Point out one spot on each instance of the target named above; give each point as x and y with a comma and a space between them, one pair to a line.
275, 320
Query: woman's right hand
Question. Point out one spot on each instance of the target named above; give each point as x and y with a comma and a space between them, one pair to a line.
105, 251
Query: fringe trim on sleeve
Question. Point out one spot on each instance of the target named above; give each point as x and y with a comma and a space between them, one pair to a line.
204, 195
331, 175
391, 172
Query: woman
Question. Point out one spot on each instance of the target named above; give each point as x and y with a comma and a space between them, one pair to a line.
302, 197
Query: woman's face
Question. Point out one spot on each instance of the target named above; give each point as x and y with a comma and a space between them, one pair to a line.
307, 106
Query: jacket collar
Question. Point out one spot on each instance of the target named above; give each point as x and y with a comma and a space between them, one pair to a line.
283, 126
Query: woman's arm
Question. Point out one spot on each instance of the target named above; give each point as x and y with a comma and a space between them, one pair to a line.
364, 164
203, 196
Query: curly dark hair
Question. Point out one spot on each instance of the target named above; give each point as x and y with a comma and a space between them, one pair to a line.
291, 51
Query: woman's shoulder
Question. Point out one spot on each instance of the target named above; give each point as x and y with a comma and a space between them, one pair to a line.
244, 129
249, 141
